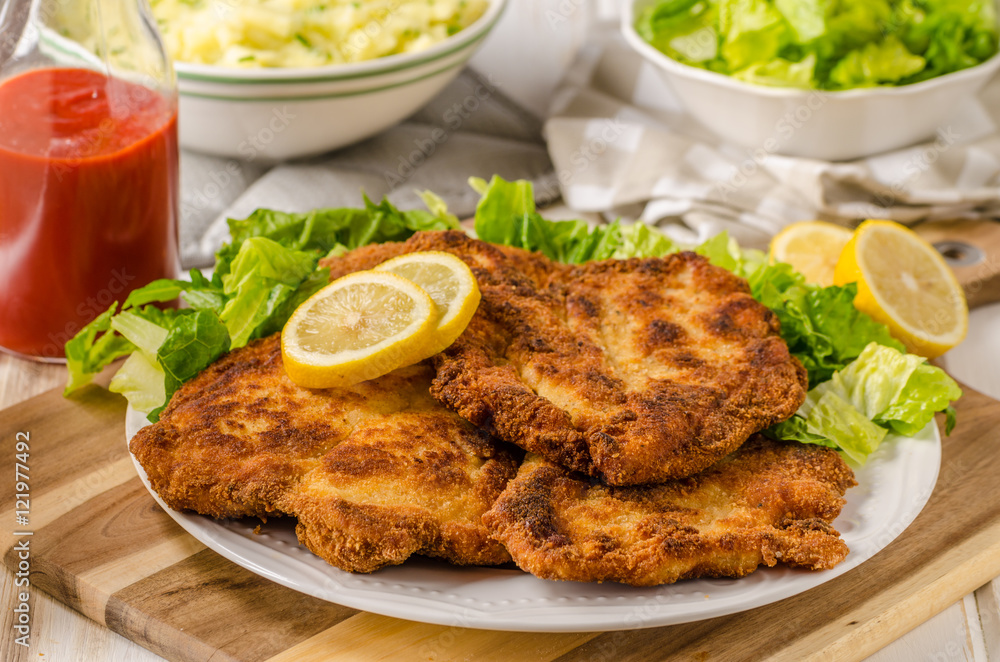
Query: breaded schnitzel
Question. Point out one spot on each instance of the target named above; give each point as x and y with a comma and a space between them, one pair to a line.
766, 503
635, 371
374, 473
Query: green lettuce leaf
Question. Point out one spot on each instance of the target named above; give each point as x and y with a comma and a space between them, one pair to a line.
143, 383
324, 230
844, 426
822, 327
194, 343
882, 390
140, 379
780, 72
807, 18
927, 391
751, 31
260, 277
950, 35
686, 30
641, 240
815, 44
502, 209
93, 349
876, 64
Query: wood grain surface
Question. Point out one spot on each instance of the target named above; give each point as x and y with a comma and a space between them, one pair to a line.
972, 249
101, 545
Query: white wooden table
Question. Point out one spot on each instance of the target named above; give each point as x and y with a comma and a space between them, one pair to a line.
967, 630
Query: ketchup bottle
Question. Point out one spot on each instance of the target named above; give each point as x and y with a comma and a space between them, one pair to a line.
88, 165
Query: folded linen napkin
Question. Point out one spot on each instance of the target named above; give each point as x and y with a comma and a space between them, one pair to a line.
622, 144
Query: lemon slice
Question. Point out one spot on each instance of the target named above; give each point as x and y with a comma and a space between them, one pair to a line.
449, 282
904, 283
358, 327
812, 248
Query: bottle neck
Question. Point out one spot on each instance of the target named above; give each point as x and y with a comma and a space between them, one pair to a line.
115, 37
14, 19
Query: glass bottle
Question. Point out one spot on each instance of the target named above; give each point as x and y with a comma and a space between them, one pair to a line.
88, 165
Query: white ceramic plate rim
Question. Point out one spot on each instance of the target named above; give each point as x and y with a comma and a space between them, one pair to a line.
645, 49
893, 487
389, 63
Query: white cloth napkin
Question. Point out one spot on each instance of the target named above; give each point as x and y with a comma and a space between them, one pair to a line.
623, 145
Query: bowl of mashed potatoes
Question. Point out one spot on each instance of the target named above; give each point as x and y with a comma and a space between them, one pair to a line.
278, 79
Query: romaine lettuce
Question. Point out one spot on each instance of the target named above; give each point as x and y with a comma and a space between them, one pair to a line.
822, 327
862, 384
824, 45
882, 390
260, 277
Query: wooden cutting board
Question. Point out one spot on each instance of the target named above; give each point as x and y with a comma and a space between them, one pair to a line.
100, 544
972, 250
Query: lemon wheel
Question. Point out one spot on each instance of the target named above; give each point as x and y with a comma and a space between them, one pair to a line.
451, 285
358, 327
812, 248
904, 283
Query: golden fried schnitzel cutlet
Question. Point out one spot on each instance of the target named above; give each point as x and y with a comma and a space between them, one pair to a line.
635, 371
766, 503
374, 473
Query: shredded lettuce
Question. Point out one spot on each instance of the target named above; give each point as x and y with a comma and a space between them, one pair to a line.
824, 45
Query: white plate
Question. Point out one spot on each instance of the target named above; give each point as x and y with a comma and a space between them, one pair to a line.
892, 489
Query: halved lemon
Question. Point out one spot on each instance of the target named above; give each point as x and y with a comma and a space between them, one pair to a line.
812, 248
904, 283
449, 282
358, 327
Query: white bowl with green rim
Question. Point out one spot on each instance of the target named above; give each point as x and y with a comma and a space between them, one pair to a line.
282, 113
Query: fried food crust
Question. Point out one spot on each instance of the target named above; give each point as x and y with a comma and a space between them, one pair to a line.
374, 473
768, 502
635, 371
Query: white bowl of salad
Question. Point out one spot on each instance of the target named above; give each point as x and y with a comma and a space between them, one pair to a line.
825, 81
271, 80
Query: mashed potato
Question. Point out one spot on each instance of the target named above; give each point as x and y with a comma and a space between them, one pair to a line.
306, 33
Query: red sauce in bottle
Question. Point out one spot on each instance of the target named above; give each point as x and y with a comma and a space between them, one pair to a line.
88, 201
